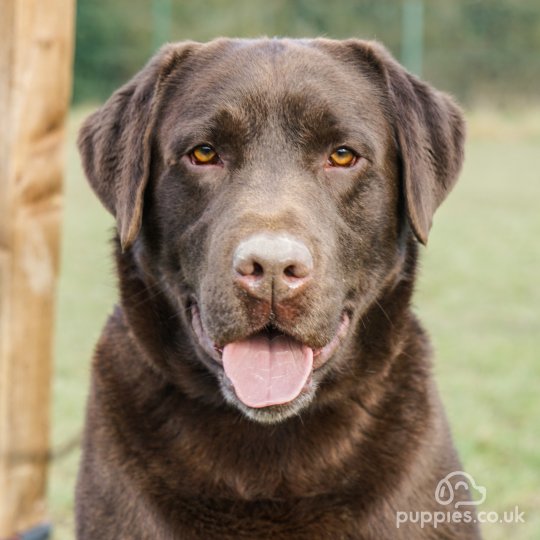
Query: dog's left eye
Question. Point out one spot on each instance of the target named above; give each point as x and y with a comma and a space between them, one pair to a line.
342, 157
204, 154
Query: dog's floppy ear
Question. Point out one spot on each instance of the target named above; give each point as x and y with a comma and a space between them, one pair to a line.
430, 133
115, 142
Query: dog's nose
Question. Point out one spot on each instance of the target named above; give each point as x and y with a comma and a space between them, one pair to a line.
269, 263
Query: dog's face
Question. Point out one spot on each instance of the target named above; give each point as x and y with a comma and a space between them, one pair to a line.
280, 181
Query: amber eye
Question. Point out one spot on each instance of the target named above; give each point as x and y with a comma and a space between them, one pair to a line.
204, 154
342, 157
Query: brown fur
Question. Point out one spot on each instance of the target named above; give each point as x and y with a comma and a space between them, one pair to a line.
169, 452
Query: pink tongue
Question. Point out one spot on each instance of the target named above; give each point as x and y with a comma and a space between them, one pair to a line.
267, 372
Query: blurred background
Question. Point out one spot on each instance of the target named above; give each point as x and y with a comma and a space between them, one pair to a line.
478, 293
480, 50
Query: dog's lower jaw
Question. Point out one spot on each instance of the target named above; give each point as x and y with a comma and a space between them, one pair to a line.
275, 413
269, 413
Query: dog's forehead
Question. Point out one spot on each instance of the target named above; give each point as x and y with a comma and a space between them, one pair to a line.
248, 82
266, 65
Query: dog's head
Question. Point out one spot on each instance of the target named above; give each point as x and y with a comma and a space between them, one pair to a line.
268, 187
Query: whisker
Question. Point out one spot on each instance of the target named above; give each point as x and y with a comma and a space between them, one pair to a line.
384, 312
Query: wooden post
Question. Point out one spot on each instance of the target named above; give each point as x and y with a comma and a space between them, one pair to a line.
36, 47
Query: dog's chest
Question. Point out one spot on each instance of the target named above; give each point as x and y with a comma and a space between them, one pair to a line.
285, 520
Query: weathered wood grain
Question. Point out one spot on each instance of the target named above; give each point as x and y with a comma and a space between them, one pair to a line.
36, 48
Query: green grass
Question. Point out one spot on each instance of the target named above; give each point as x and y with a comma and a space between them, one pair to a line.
478, 295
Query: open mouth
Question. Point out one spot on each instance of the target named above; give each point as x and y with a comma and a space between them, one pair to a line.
269, 367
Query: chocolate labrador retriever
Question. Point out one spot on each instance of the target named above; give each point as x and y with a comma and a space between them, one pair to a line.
264, 375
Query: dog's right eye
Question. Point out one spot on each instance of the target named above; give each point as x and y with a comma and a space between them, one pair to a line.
204, 154
342, 157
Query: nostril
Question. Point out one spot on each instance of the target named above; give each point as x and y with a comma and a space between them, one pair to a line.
249, 268
298, 270
290, 271
258, 270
